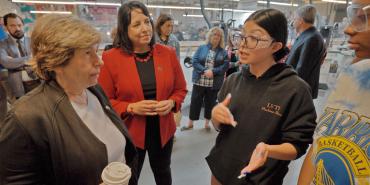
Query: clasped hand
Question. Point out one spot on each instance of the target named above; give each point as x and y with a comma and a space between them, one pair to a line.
151, 107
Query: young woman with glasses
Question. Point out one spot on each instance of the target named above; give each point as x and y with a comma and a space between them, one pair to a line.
266, 117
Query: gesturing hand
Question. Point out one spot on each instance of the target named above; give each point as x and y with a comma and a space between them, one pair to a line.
221, 113
258, 158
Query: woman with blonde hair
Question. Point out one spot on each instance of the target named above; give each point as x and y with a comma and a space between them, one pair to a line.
210, 64
65, 131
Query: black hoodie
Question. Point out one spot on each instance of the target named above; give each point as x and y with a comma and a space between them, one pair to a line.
276, 108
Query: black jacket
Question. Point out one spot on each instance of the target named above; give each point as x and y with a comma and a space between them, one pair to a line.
275, 108
44, 141
306, 55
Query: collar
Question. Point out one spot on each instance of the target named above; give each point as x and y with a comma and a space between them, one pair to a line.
15, 40
308, 30
210, 47
272, 71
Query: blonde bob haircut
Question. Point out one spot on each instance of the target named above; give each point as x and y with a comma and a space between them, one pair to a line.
210, 34
55, 39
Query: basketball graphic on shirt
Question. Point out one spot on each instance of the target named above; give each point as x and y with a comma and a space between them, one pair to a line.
342, 159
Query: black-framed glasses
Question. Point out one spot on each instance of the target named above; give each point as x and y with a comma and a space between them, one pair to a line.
358, 17
251, 42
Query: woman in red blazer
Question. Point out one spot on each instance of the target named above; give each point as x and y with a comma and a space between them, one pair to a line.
145, 84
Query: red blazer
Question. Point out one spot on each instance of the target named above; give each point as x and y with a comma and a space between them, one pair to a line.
121, 82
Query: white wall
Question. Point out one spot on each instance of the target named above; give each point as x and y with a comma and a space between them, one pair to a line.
7, 7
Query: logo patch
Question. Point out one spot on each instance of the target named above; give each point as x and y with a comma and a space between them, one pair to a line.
271, 108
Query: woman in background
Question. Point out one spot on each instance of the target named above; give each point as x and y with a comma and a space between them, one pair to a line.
231, 49
210, 64
164, 28
145, 85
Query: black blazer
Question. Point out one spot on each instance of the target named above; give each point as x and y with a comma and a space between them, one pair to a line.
44, 141
306, 55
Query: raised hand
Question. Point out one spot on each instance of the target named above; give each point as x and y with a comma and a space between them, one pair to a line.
221, 113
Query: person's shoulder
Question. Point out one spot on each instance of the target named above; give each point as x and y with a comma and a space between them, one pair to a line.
359, 72
289, 77
112, 54
27, 39
4, 42
161, 47
34, 107
363, 65
234, 77
174, 38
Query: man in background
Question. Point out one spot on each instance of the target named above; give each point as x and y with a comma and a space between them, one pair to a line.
3, 78
308, 51
14, 55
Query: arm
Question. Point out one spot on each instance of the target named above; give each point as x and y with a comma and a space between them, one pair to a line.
177, 47
220, 70
10, 62
307, 171
234, 61
19, 163
196, 61
179, 91
224, 100
106, 82
264, 151
296, 131
300, 123
285, 151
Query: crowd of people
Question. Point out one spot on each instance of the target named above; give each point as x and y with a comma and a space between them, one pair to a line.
73, 113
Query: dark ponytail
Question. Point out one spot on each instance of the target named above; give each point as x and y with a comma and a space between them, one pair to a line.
276, 25
278, 55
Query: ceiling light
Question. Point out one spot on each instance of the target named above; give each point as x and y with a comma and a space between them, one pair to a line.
118, 4
335, 1
50, 12
190, 15
67, 2
278, 3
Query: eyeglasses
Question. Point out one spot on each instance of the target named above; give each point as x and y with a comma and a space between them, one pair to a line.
358, 17
251, 42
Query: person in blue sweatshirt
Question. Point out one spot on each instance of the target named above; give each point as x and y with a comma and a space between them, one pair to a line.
266, 116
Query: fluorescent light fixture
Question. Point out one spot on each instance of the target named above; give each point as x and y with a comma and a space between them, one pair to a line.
335, 1
118, 4
278, 3
190, 15
67, 2
196, 8
50, 12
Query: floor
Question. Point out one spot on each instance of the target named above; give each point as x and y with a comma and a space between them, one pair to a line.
191, 147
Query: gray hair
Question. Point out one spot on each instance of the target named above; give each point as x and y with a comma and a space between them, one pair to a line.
307, 13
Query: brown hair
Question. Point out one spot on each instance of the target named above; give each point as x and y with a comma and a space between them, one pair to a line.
163, 18
55, 39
